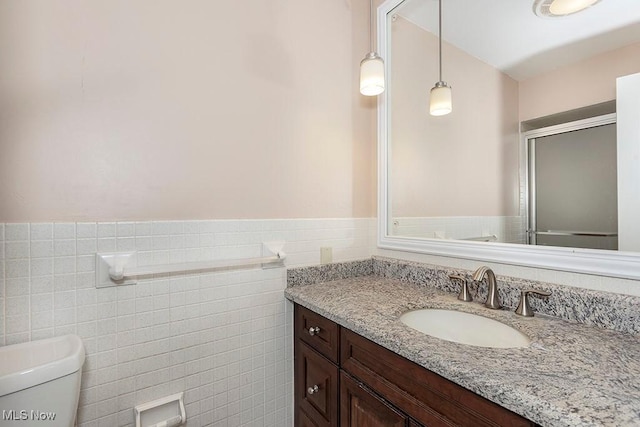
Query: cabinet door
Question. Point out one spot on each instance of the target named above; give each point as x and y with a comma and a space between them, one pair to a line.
316, 388
302, 420
359, 407
423, 395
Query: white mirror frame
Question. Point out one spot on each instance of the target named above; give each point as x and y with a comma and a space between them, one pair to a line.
590, 261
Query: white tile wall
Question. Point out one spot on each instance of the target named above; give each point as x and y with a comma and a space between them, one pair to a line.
223, 338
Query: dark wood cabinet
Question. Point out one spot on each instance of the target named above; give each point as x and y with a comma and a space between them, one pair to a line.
360, 407
316, 386
343, 379
426, 396
302, 420
320, 333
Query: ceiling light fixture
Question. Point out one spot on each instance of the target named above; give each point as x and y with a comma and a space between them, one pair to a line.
560, 8
440, 97
372, 66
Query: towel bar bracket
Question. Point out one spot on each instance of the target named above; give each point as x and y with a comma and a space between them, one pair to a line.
106, 263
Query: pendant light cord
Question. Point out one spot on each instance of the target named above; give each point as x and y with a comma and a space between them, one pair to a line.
439, 36
371, 25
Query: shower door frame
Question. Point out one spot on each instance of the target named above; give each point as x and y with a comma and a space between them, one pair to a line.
528, 140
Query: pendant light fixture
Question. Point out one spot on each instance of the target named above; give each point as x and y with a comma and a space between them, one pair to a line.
440, 97
372, 66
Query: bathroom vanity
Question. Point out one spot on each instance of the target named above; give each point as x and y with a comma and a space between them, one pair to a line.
357, 364
344, 379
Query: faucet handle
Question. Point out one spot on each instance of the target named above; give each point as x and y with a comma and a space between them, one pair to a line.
524, 309
464, 294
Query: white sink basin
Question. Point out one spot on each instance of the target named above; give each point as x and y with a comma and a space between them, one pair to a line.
465, 328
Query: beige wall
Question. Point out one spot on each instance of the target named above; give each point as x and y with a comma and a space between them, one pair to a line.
156, 109
462, 164
581, 84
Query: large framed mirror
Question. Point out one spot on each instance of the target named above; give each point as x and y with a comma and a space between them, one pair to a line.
528, 88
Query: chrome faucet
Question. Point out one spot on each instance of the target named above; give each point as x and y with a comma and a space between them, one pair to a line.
492, 297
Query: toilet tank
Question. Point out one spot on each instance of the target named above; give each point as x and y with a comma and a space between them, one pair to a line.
40, 382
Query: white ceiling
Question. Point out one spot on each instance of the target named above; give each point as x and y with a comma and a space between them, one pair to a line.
509, 36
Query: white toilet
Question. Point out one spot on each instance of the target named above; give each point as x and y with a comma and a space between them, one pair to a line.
40, 382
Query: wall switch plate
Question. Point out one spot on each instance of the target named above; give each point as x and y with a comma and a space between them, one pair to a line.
326, 255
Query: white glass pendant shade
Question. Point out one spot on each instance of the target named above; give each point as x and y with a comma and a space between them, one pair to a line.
440, 100
372, 75
567, 7
440, 96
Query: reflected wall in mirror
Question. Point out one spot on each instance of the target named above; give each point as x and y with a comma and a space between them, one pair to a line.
464, 176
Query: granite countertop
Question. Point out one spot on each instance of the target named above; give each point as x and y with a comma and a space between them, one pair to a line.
570, 375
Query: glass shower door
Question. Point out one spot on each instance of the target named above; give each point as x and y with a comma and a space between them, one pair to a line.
573, 189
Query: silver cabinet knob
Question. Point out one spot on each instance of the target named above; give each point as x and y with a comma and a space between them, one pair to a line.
524, 309
314, 330
313, 390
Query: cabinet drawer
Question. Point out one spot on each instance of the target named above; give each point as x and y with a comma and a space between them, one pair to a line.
316, 388
319, 332
429, 398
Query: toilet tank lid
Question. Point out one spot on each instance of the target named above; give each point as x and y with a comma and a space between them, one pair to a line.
36, 362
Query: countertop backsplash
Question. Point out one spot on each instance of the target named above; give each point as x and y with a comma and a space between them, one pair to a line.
601, 309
